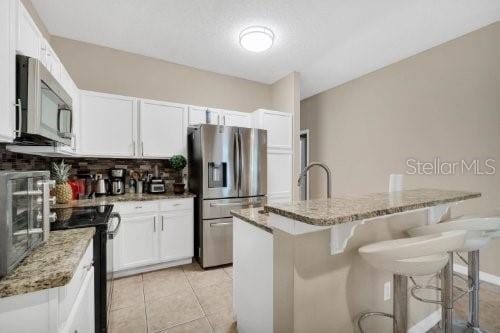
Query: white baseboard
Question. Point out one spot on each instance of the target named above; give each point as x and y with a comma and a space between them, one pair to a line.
145, 269
427, 323
486, 277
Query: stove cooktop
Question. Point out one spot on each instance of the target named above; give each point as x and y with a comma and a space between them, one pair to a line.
81, 217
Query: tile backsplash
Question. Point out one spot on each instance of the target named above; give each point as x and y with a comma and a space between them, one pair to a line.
16, 161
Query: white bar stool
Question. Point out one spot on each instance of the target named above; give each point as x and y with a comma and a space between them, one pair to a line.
479, 232
407, 257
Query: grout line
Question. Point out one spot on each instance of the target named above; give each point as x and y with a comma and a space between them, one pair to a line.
145, 304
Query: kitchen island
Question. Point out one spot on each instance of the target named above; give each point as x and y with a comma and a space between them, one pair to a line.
297, 269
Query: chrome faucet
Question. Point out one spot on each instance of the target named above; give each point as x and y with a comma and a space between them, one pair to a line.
328, 177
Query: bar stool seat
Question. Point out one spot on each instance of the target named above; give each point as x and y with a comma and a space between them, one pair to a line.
407, 257
479, 231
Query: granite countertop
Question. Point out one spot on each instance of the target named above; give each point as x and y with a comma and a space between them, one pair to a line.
109, 200
50, 265
342, 209
252, 215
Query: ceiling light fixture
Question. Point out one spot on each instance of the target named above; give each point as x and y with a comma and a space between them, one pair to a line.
256, 38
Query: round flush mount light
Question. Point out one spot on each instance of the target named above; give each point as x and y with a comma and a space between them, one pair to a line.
256, 38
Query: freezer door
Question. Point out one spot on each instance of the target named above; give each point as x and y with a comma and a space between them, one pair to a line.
220, 164
217, 242
220, 208
252, 149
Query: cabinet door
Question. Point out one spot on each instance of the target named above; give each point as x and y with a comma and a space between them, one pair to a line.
163, 129
238, 119
279, 179
279, 129
197, 115
136, 242
81, 317
29, 38
7, 70
107, 125
176, 236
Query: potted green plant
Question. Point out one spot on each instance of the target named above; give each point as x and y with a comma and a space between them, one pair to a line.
178, 163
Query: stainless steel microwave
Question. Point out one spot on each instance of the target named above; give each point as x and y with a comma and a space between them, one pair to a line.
44, 108
24, 214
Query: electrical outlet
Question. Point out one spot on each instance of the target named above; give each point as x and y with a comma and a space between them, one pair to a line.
387, 291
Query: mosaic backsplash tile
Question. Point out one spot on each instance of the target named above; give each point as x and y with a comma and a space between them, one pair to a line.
16, 161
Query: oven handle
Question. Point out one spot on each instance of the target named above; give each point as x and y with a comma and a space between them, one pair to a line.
114, 232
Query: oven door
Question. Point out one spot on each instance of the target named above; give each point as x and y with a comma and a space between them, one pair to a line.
113, 228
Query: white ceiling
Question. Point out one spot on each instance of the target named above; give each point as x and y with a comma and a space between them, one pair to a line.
328, 41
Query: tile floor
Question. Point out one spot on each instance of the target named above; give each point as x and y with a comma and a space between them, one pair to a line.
188, 299
181, 299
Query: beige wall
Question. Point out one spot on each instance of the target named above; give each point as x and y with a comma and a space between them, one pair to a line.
108, 70
38, 21
285, 95
444, 102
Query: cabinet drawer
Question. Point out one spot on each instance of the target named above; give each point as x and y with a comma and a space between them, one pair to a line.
176, 204
68, 293
136, 207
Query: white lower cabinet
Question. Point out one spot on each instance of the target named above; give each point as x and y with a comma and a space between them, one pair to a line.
176, 236
135, 244
81, 318
153, 233
66, 309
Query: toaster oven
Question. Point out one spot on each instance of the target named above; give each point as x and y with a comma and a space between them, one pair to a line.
24, 214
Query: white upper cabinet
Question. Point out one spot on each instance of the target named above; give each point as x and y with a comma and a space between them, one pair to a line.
279, 126
203, 115
235, 118
29, 38
7, 69
162, 129
107, 125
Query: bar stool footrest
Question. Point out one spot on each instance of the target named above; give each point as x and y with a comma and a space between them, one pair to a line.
365, 315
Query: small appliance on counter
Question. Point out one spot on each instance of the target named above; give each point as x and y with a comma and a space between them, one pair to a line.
25, 215
117, 181
107, 225
101, 186
156, 185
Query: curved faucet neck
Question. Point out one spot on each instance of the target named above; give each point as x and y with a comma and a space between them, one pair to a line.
328, 176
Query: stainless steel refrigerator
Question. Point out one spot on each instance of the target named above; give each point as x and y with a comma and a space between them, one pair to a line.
227, 170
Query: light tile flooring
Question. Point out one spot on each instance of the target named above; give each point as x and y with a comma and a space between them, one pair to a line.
181, 299
188, 299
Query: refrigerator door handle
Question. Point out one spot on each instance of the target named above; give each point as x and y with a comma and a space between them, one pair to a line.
237, 165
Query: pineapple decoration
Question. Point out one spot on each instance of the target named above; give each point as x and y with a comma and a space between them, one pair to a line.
60, 173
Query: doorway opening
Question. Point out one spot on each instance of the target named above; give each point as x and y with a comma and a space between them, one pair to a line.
304, 161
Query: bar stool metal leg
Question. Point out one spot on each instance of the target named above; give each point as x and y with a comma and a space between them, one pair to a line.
473, 270
400, 303
447, 296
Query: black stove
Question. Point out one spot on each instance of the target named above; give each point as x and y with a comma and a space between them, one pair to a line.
102, 218
81, 217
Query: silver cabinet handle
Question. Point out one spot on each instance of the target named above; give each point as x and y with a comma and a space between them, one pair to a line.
154, 224
19, 109
142, 148
133, 144
220, 224
138, 207
89, 266
162, 224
